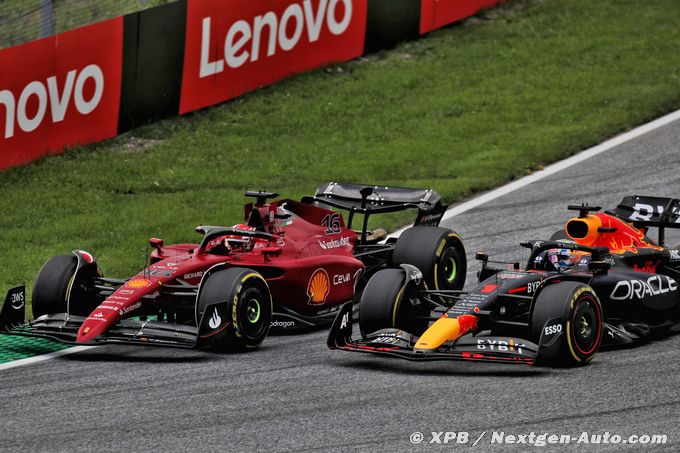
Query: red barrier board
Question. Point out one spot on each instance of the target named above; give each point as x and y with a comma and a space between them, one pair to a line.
236, 46
439, 13
60, 91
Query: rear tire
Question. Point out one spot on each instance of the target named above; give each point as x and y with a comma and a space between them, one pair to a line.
580, 321
560, 235
235, 307
387, 303
437, 252
51, 286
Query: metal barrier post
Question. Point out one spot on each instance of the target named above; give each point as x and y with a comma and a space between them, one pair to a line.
46, 18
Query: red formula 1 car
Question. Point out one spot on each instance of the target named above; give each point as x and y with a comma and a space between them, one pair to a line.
600, 281
290, 266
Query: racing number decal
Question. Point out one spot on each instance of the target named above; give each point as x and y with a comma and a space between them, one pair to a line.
331, 223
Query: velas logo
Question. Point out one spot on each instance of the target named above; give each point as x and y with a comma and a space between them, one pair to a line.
282, 33
30, 108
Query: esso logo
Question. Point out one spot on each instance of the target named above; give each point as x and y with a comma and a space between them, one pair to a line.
552, 330
52, 97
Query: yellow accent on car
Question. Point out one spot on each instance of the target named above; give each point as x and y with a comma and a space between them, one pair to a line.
443, 330
571, 348
440, 249
253, 274
234, 306
396, 305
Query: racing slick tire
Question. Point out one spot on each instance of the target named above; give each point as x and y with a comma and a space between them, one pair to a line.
437, 252
560, 235
387, 303
51, 286
579, 327
234, 309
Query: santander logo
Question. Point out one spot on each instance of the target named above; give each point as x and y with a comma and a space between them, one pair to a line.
55, 95
300, 20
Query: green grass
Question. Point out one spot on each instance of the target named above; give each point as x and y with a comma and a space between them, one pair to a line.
463, 110
20, 19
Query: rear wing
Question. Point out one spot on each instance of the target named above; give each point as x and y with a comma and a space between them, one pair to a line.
348, 196
644, 211
371, 199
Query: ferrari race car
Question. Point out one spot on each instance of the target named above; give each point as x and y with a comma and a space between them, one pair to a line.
600, 281
290, 266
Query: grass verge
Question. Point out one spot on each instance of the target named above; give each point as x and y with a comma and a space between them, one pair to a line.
20, 19
465, 109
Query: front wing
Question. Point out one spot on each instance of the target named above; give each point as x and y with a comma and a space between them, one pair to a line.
399, 344
64, 328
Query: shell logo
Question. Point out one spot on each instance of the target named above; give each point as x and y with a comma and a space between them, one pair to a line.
319, 287
138, 283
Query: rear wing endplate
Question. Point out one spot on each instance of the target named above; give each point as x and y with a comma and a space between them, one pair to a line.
645, 211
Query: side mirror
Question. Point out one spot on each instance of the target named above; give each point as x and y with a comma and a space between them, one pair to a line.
156, 243
479, 256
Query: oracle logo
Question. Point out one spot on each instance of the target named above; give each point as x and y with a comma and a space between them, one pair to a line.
242, 40
50, 94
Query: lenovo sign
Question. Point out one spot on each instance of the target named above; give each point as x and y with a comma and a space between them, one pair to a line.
49, 93
236, 46
60, 91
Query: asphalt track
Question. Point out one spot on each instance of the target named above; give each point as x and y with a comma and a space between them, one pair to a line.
296, 395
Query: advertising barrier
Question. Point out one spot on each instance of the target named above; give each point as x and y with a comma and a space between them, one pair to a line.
60, 91
440, 13
236, 46
89, 84
153, 57
390, 22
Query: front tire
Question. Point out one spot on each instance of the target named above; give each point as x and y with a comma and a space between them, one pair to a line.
578, 314
50, 291
234, 309
437, 252
387, 302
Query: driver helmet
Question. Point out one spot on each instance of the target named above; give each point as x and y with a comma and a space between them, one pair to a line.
559, 259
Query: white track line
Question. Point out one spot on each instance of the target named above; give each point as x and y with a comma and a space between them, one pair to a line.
556, 167
466, 206
43, 357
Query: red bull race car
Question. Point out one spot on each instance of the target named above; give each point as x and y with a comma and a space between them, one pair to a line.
601, 281
290, 266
